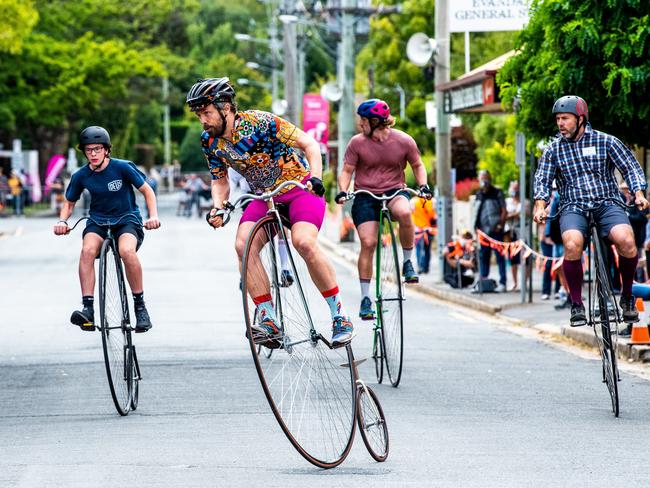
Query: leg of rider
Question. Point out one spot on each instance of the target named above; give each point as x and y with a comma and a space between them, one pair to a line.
90, 248
572, 265
305, 240
257, 280
368, 238
127, 244
400, 209
623, 238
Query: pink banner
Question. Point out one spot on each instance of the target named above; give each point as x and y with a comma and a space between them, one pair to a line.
54, 167
316, 118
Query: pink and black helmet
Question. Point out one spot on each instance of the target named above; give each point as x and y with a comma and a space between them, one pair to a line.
374, 109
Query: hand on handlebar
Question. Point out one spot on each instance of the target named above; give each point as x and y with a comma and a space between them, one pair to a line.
425, 192
61, 228
215, 217
641, 202
341, 197
541, 214
152, 223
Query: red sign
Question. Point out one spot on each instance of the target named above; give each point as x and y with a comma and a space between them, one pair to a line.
488, 91
316, 118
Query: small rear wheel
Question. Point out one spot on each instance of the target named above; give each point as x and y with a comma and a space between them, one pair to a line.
372, 424
378, 355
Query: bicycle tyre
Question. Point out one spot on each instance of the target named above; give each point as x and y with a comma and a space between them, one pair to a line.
390, 301
135, 378
378, 355
372, 424
310, 387
113, 313
606, 343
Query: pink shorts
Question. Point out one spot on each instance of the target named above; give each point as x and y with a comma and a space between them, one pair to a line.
303, 206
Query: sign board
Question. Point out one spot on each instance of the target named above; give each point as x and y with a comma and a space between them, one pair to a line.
463, 98
487, 15
316, 118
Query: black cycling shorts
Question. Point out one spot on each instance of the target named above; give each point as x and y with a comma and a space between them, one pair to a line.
117, 230
366, 209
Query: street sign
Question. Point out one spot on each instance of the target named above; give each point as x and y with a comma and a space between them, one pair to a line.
487, 15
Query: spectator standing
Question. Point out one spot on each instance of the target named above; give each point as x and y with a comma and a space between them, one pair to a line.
490, 216
5, 190
425, 221
195, 184
512, 230
16, 187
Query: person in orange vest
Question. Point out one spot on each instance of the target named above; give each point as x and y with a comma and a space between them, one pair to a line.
461, 258
425, 220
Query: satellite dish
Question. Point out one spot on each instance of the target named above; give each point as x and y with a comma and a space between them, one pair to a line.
420, 48
279, 107
331, 91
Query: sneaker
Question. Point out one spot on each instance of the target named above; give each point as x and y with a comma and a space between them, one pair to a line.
85, 318
578, 316
500, 288
142, 320
545, 296
342, 331
286, 278
365, 311
408, 271
267, 333
630, 313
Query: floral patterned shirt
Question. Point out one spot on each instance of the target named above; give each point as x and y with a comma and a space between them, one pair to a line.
261, 151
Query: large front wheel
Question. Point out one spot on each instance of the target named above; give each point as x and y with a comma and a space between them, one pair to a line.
113, 313
390, 300
308, 385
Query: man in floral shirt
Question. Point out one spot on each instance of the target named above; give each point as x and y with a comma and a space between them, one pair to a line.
263, 148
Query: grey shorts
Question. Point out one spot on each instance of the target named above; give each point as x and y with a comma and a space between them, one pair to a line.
606, 217
366, 209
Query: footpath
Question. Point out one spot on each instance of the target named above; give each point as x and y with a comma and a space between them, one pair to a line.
537, 314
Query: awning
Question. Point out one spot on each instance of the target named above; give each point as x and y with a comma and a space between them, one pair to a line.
475, 91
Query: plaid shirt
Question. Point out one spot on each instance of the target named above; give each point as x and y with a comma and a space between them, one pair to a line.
584, 170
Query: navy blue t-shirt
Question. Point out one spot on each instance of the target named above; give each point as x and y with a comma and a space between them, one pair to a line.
111, 190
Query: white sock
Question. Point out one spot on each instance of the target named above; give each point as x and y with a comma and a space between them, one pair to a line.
284, 258
365, 288
407, 254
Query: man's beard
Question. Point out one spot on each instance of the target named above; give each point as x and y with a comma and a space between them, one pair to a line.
212, 130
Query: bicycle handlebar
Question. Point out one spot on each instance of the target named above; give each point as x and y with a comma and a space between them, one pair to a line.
101, 224
245, 198
381, 198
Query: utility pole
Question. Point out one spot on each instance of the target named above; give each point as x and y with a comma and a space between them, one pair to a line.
166, 128
346, 78
273, 34
443, 139
350, 14
291, 92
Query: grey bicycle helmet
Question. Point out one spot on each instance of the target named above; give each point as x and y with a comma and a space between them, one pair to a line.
94, 135
571, 104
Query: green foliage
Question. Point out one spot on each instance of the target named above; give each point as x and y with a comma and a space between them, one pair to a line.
18, 19
190, 154
495, 136
599, 50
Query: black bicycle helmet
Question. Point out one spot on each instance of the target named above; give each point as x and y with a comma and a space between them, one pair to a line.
94, 135
210, 90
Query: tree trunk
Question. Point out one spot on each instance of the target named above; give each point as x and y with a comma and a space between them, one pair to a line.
49, 141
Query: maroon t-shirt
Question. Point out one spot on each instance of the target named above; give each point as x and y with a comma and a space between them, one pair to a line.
379, 166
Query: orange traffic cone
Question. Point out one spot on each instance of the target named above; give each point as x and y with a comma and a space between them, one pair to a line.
640, 333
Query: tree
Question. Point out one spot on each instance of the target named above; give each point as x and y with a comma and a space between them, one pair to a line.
495, 137
18, 19
597, 49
